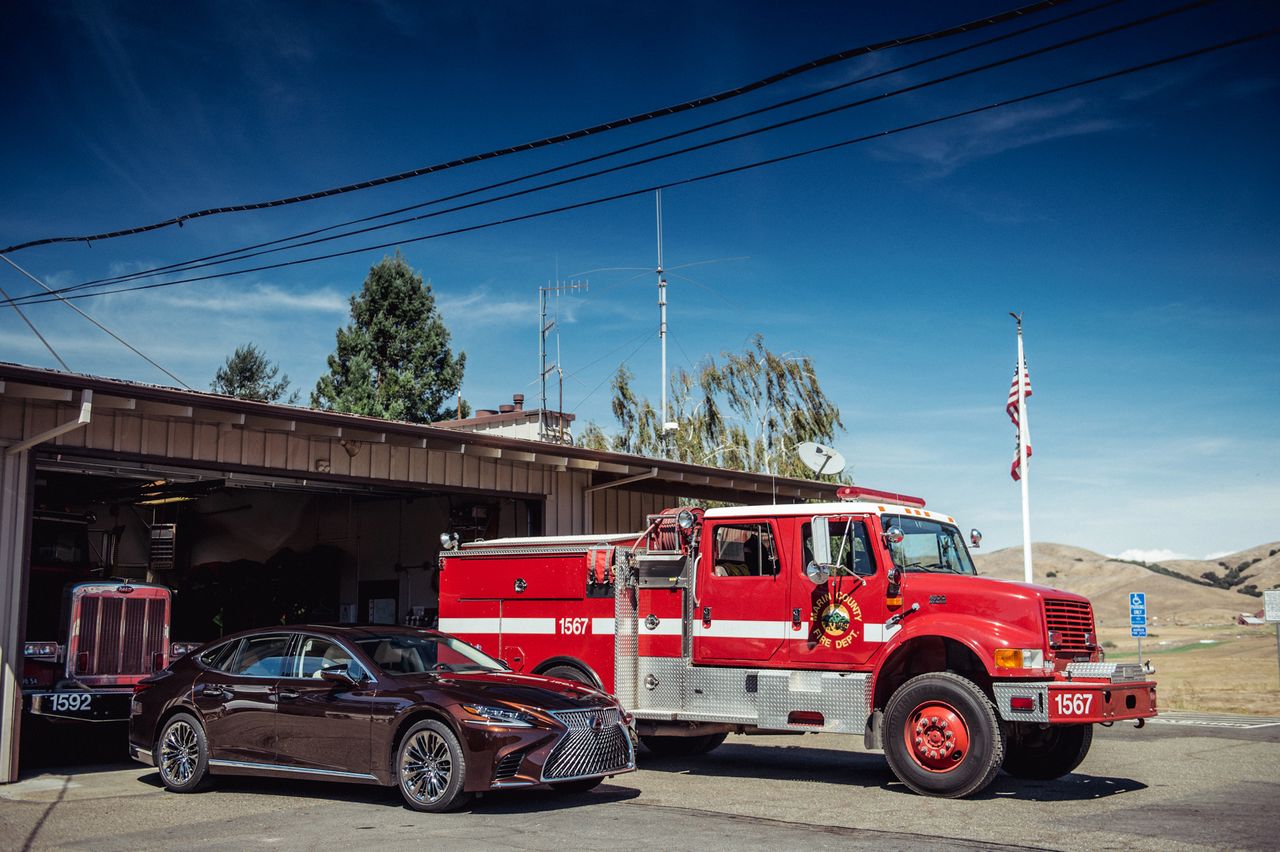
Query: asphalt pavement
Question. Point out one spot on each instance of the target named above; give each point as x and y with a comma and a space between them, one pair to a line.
1185, 782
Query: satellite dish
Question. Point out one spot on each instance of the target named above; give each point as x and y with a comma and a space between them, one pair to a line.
820, 458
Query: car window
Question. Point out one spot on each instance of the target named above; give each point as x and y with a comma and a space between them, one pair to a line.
218, 656
261, 656
315, 654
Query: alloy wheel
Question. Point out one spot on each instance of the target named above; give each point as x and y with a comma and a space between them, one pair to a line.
179, 753
426, 767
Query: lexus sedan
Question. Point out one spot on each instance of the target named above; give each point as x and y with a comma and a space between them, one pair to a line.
421, 710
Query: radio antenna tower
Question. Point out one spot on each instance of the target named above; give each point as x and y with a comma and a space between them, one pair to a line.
544, 326
667, 425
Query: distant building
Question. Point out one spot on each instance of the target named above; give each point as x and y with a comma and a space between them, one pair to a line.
513, 420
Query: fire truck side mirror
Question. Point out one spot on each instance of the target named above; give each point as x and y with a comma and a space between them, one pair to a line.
975, 538
821, 542
817, 573
893, 588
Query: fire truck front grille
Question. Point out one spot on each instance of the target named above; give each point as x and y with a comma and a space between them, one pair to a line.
1072, 622
596, 743
118, 636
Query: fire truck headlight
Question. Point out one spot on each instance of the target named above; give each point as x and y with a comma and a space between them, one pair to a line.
502, 717
685, 520
449, 541
40, 649
181, 649
1019, 658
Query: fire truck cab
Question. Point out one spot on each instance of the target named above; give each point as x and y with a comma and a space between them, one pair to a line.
864, 616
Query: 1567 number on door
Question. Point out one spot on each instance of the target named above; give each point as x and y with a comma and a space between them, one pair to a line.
1072, 703
573, 626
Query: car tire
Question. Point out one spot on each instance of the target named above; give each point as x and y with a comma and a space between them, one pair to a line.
572, 673
430, 768
182, 754
580, 786
682, 746
942, 737
1042, 754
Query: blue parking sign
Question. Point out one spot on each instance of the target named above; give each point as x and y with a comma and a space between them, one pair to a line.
1139, 632
1137, 610
1138, 599
1136, 620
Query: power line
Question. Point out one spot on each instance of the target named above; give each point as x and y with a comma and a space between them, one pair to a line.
1133, 69
75, 308
245, 252
35, 331
243, 255
696, 103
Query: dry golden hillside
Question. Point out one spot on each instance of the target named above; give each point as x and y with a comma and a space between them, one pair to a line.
1108, 582
1258, 566
1203, 661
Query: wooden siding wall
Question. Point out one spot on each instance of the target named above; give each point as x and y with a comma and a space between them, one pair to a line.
189, 442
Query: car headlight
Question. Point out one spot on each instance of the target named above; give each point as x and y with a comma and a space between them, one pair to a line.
502, 717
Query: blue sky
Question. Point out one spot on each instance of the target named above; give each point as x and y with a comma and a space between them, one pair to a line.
1133, 222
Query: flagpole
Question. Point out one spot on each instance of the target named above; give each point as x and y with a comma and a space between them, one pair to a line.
1022, 456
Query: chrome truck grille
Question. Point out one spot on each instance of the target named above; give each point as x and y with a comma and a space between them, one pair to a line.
117, 637
1072, 624
596, 743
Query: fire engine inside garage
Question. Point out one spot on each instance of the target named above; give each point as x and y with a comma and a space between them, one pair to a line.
136, 519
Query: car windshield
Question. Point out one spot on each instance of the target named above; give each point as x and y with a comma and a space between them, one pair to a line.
409, 654
928, 546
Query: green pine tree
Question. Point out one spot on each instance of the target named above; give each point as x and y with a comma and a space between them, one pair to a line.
248, 374
393, 360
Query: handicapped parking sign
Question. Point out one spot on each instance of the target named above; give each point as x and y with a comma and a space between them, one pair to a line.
1139, 632
1138, 599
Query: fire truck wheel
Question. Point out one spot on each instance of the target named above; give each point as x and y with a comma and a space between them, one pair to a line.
182, 754
1045, 753
942, 737
581, 786
682, 746
430, 768
572, 673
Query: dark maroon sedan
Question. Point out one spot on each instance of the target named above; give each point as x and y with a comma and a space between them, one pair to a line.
379, 705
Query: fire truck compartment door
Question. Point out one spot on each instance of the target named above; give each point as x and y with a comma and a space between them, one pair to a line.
741, 611
523, 577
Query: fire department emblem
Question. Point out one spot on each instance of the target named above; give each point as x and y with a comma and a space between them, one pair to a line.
833, 620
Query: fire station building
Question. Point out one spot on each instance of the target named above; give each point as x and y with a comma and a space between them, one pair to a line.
255, 513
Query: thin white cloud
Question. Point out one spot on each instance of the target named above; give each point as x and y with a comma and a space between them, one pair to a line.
262, 297
482, 308
1159, 554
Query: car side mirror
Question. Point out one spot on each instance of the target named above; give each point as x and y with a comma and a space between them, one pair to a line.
817, 573
339, 674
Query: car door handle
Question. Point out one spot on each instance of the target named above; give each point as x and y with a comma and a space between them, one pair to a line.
287, 694
216, 692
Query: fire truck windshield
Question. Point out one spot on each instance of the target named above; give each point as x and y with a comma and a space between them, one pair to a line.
928, 546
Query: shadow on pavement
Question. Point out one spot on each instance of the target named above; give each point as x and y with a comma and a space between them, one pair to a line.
860, 769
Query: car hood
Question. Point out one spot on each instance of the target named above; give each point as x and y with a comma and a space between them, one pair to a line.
547, 693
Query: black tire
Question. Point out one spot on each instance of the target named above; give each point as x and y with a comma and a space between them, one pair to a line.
1042, 754
430, 768
682, 746
580, 786
573, 673
182, 754
942, 737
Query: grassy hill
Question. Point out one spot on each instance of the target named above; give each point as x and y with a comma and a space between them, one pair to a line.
1203, 660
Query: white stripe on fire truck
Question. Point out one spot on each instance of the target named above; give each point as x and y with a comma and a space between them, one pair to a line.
495, 625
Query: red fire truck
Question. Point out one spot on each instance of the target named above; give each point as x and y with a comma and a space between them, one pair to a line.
90, 639
864, 616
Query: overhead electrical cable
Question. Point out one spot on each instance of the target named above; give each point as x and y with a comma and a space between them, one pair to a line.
244, 251
36, 332
696, 103
126, 344
648, 190
674, 153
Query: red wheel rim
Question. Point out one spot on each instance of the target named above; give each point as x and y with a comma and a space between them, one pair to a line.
937, 737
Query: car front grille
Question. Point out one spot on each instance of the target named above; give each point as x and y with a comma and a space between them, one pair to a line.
597, 743
1073, 622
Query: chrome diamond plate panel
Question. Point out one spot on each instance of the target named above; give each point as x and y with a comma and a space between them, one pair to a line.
1114, 672
626, 647
1037, 692
841, 698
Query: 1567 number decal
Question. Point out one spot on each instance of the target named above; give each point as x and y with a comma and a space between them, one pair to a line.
1072, 703
573, 626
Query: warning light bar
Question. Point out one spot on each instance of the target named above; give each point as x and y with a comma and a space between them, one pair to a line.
857, 492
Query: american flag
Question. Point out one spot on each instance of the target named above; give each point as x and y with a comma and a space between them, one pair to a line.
1011, 408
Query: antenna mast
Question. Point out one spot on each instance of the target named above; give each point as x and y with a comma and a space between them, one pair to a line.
666, 425
544, 326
